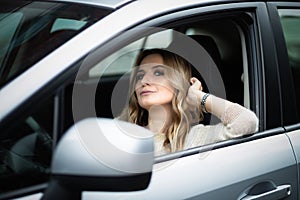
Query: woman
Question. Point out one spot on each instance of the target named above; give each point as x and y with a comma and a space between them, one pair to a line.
164, 98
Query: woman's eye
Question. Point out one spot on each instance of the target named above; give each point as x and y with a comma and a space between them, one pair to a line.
139, 77
159, 73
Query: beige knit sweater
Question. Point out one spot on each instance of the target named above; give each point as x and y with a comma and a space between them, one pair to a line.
236, 121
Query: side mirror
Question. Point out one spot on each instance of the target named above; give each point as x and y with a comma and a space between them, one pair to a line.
99, 154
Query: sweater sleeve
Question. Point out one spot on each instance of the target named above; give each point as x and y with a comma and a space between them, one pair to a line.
236, 121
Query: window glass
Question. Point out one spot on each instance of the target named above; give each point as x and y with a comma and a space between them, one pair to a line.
221, 64
26, 149
8, 26
30, 30
290, 20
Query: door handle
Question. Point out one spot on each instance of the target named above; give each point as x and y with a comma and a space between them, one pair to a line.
272, 193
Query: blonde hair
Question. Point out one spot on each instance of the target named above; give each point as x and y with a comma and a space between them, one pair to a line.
179, 78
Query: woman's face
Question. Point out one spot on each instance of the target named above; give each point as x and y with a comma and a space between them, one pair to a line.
152, 85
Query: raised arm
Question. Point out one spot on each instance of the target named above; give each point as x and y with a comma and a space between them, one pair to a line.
237, 119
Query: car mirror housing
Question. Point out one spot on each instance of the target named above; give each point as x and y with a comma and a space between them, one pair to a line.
98, 154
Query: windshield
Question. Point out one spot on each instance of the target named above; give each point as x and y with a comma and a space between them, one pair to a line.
30, 30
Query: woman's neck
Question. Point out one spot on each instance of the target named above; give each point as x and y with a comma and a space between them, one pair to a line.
159, 118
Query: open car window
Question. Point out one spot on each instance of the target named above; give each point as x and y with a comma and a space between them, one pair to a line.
219, 59
228, 53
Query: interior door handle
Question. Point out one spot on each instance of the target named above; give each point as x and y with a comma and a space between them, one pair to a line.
267, 191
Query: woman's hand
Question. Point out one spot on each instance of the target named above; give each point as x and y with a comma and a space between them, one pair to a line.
194, 95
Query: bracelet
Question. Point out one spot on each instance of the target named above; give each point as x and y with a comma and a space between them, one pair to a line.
203, 101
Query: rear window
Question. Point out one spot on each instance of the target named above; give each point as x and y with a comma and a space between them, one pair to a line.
29, 31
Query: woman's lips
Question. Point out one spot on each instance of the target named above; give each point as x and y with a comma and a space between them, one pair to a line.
146, 92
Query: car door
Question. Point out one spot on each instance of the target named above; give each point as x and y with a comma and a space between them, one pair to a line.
259, 166
285, 22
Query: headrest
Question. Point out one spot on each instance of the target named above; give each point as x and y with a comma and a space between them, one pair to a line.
209, 44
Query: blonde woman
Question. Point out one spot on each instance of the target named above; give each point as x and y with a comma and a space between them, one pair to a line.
164, 98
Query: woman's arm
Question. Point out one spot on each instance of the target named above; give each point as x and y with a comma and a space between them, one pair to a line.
237, 119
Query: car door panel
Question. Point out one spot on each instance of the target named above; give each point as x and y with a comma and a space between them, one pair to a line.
295, 141
226, 172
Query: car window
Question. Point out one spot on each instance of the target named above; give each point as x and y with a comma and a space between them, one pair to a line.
26, 148
227, 51
223, 48
30, 30
290, 20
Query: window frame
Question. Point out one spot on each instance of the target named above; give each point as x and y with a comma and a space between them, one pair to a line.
261, 58
257, 64
256, 74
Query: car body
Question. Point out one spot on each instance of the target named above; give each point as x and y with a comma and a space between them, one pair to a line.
68, 60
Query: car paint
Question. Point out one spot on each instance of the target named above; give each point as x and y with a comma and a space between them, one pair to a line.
202, 176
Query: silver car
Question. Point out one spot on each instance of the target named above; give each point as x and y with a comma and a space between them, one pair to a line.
64, 72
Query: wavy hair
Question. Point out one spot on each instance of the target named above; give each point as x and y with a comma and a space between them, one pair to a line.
179, 77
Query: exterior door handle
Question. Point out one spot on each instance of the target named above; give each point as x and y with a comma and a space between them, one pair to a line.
272, 193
